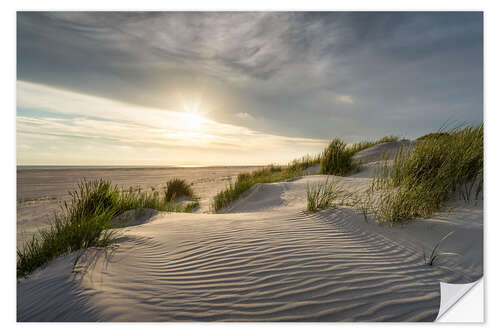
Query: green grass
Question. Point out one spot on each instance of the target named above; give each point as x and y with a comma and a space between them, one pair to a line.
188, 208
421, 181
245, 181
436, 135
85, 221
65, 236
178, 188
323, 195
359, 146
435, 251
337, 158
269, 174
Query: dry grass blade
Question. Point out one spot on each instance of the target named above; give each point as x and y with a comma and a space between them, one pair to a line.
434, 254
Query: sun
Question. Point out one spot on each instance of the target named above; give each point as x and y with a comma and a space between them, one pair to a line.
192, 119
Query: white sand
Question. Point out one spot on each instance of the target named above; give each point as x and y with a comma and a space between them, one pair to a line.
263, 260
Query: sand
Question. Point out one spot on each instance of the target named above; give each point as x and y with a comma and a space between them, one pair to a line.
262, 259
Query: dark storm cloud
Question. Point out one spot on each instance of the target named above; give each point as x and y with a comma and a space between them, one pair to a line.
298, 74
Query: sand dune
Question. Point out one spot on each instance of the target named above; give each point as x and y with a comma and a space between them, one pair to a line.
264, 259
383, 150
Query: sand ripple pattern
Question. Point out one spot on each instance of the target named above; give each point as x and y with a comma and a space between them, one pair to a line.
296, 268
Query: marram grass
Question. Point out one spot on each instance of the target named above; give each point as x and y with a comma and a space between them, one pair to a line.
269, 174
323, 195
420, 181
337, 158
85, 221
177, 188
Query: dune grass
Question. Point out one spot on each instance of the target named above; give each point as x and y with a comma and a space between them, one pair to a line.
177, 188
269, 174
245, 181
435, 253
85, 221
323, 195
422, 180
301, 164
435, 135
337, 158
65, 236
362, 145
190, 207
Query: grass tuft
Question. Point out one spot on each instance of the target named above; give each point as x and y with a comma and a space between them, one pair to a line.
85, 221
321, 196
336, 159
65, 236
435, 253
422, 180
178, 188
190, 207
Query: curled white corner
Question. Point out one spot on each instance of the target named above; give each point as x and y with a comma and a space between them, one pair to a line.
450, 294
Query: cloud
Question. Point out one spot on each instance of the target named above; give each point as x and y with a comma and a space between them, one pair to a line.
244, 115
345, 99
79, 126
411, 70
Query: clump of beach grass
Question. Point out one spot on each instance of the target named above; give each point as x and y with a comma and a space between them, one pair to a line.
64, 236
190, 207
364, 202
178, 188
323, 195
420, 181
336, 159
86, 221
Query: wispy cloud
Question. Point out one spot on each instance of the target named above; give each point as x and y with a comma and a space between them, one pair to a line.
122, 129
244, 115
355, 75
345, 99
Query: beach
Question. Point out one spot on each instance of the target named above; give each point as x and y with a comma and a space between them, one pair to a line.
263, 258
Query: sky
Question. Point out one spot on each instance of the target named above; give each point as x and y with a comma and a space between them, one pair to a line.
237, 88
